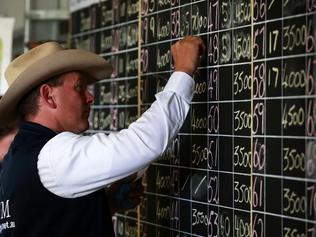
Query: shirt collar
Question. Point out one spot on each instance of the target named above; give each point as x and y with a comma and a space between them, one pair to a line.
26, 125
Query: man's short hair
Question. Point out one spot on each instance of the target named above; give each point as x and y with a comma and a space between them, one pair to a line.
28, 105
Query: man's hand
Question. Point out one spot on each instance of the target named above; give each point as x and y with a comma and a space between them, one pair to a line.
124, 195
186, 54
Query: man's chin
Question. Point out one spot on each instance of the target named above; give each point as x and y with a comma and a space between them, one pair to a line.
82, 128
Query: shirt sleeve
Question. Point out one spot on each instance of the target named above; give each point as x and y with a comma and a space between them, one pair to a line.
72, 165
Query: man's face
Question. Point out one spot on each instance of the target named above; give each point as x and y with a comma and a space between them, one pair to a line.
73, 103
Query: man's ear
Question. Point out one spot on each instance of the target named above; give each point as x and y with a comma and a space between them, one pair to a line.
47, 95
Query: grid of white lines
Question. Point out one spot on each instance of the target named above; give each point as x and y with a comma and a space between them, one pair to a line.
251, 100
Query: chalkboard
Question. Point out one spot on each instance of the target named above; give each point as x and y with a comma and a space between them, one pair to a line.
244, 162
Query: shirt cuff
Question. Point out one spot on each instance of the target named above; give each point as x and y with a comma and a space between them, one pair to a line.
182, 84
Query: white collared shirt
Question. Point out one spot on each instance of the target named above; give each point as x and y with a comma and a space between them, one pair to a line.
72, 165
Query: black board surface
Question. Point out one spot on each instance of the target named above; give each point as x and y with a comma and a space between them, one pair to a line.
244, 162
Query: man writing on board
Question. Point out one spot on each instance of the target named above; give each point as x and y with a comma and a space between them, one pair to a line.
52, 179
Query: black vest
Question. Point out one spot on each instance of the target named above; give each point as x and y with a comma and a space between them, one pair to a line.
28, 209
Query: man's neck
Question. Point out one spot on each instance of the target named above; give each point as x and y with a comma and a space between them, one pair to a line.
45, 121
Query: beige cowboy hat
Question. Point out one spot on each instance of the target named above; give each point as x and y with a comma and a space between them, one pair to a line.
41, 63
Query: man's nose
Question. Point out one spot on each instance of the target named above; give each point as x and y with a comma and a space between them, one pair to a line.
90, 97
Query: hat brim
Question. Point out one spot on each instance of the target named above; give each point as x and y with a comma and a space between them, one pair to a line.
60, 62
